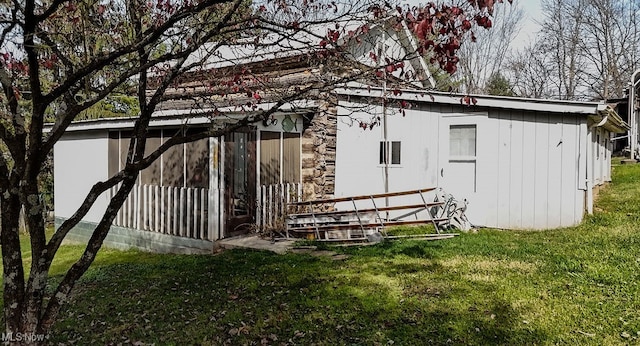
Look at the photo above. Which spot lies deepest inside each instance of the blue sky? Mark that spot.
(532, 12)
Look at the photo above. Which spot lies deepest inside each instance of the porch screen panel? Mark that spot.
(198, 163)
(125, 139)
(173, 163)
(151, 174)
(269, 158)
(114, 152)
(291, 158)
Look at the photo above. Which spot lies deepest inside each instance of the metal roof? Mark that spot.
(597, 110)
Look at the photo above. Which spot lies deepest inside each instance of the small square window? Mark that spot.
(390, 156)
(395, 153)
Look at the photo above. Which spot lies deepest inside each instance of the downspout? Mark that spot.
(387, 146)
(589, 180)
(633, 123)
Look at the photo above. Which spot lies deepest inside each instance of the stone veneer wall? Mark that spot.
(319, 152)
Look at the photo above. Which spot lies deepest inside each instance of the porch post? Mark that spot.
(259, 205)
(214, 215)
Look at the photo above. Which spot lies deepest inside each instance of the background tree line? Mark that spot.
(585, 50)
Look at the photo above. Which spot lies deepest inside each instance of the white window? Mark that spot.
(462, 141)
(390, 152)
(462, 156)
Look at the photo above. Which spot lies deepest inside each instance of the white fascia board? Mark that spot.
(540, 105)
(418, 60)
(172, 118)
(293, 106)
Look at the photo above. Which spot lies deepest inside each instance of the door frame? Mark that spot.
(481, 122)
(230, 225)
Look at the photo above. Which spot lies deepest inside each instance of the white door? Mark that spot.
(459, 167)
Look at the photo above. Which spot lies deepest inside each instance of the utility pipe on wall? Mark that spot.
(386, 147)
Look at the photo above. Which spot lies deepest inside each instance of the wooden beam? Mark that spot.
(417, 237)
(364, 211)
(311, 229)
(356, 198)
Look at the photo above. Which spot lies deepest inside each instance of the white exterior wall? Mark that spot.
(534, 177)
(530, 167)
(601, 155)
(358, 168)
(80, 162)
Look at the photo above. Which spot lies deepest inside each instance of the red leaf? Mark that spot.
(466, 24)
(488, 24)
(373, 57)
(450, 67)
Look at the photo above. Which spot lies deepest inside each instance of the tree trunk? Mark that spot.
(27, 334)
(13, 273)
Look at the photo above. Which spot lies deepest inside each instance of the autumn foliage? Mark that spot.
(442, 28)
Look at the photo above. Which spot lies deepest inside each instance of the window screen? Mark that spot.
(462, 140)
(269, 157)
(395, 153)
(291, 158)
(151, 174)
(114, 152)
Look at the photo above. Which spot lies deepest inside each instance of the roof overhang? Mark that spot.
(189, 117)
(608, 119)
(596, 111)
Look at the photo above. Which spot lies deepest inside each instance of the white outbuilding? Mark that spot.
(520, 163)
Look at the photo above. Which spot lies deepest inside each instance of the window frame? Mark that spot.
(453, 158)
(387, 154)
(464, 158)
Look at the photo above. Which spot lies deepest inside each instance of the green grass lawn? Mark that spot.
(575, 286)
